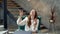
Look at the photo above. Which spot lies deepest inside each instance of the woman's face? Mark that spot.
(32, 13)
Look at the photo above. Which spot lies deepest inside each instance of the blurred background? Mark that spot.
(9, 13)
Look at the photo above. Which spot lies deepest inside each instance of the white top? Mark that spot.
(24, 22)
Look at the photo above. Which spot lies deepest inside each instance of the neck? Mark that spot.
(32, 17)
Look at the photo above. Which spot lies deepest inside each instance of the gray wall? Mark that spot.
(43, 8)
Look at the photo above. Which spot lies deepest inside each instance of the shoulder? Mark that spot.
(26, 18)
(37, 20)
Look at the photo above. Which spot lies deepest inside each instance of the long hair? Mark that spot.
(29, 18)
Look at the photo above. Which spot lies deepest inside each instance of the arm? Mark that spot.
(21, 22)
(36, 26)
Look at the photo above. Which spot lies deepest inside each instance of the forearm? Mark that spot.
(19, 20)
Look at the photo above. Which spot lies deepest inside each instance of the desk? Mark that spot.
(22, 32)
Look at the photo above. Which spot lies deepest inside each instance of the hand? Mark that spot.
(35, 23)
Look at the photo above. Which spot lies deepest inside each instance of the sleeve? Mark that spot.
(21, 22)
(36, 28)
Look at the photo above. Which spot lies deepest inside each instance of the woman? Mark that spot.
(31, 22)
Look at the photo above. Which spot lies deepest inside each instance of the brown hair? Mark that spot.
(29, 18)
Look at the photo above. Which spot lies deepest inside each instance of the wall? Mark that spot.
(43, 8)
